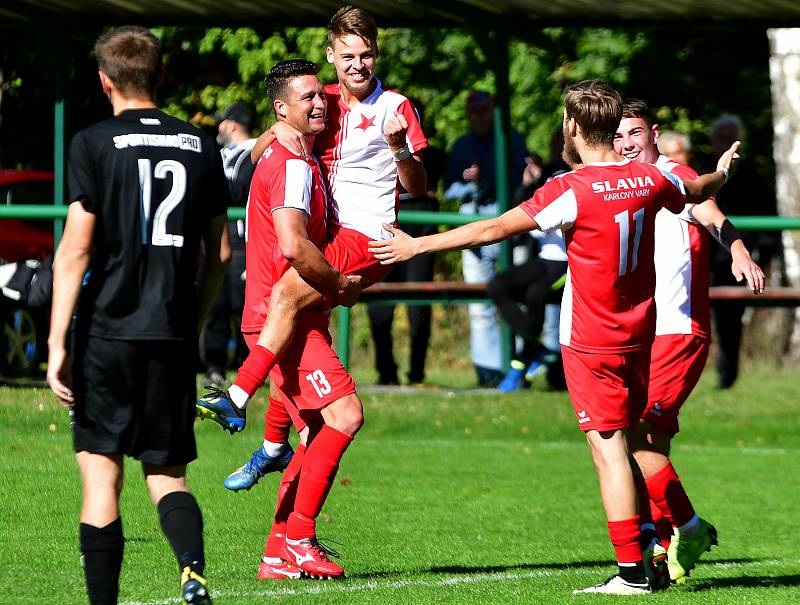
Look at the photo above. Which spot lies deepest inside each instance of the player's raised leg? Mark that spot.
(274, 454)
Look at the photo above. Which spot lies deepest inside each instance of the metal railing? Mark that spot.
(448, 219)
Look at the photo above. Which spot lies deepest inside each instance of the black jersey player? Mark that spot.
(145, 189)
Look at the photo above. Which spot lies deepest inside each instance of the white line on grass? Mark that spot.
(311, 587)
(569, 445)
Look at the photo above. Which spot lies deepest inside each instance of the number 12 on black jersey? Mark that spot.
(167, 205)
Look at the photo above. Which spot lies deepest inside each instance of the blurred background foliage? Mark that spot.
(688, 75)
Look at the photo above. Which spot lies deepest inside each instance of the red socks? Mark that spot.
(320, 464)
(277, 422)
(255, 369)
(625, 538)
(663, 526)
(287, 492)
(668, 494)
(644, 499)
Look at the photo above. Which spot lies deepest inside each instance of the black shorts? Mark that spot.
(135, 398)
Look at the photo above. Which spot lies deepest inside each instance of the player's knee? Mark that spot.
(347, 416)
(284, 299)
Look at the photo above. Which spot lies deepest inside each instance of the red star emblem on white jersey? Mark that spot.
(366, 122)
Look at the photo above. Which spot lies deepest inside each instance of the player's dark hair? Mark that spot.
(131, 57)
(282, 73)
(636, 108)
(597, 109)
(352, 21)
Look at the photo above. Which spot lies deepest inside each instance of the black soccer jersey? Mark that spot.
(153, 182)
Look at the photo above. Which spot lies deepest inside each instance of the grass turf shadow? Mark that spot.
(487, 569)
(704, 584)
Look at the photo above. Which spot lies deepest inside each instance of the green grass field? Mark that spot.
(446, 496)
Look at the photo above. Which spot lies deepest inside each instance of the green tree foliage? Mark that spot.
(435, 67)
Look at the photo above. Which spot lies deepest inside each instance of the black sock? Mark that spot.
(102, 549)
(182, 524)
(633, 572)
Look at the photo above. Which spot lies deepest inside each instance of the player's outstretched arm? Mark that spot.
(712, 218)
(70, 265)
(480, 233)
(706, 185)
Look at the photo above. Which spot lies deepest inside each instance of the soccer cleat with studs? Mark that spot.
(217, 405)
(655, 566)
(617, 586)
(260, 464)
(311, 556)
(194, 589)
(684, 551)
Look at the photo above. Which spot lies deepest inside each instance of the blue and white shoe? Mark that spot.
(259, 465)
(514, 380)
(216, 405)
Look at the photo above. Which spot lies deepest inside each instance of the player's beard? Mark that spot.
(570, 153)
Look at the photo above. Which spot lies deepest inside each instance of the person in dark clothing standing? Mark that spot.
(470, 179)
(146, 189)
(419, 269)
(225, 317)
(747, 194)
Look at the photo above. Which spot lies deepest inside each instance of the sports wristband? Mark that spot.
(402, 154)
(728, 234)
(725, 173)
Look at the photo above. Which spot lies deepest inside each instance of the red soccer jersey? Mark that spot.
(357, 160)
(682, 267)
(281, 180)
(607, 212)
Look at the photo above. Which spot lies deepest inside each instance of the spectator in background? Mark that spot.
(529, 284)
(676, 146)
(470, 179)
(748, 193)
(417, 269)
(225, 317)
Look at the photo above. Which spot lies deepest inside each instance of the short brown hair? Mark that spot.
(282, 73)
(597, 108)
(636, 108)
(131, 57)
(350, 20)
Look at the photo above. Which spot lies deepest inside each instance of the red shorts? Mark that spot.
(348, 253)
(607, 390)
(309, 375)
(676, 363)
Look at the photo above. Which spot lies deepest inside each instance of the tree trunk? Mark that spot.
(784, 67)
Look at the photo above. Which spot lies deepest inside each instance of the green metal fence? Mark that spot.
(448, 219)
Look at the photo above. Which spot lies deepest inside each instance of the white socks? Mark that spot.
(273, 449)
(239, 396)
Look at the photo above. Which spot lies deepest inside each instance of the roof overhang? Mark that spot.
(512, 15)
